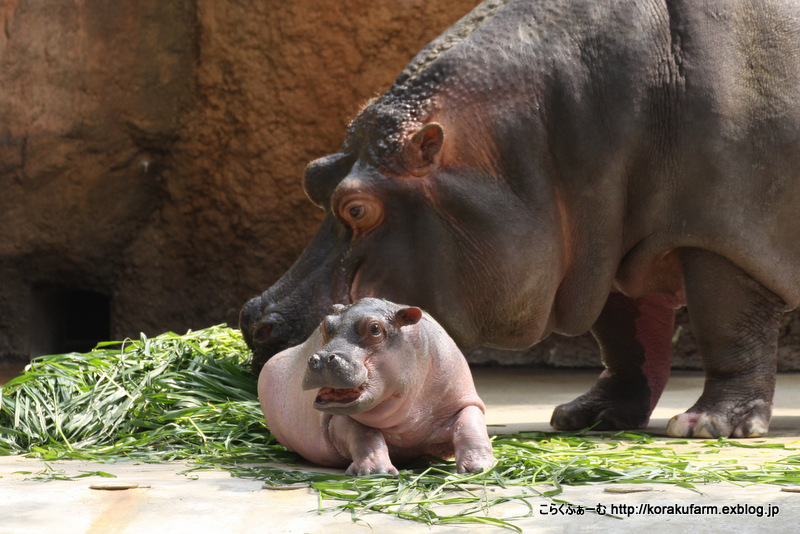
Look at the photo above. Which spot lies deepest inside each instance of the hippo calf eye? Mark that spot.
(375, 330)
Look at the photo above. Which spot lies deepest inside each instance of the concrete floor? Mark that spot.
(517, 399)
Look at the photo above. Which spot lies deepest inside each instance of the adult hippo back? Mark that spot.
(570, 165)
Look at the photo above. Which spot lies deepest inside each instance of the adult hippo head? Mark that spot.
(418, 215)
(442, 195)
(570, 165)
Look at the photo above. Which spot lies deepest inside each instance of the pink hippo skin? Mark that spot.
(376, 384)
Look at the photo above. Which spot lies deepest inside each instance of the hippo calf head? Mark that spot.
(362, 361)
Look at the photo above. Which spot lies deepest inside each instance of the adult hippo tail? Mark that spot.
(570, 165)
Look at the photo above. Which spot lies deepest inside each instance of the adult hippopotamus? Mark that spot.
(576, 165)
(376, 384)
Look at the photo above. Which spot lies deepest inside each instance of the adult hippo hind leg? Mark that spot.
(635, 338)
(735, 320)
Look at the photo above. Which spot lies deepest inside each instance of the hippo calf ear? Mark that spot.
(408, 316)
(422, 149)
(324, 174)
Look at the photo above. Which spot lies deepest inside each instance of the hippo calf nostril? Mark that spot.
(315, 362)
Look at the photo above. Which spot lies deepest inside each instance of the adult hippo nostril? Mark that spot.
(249, 316)
(262, 333)
(269, 326)
(264, 330)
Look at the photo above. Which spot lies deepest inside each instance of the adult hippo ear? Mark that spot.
(324, 174)
(408, 316)
(423, 150)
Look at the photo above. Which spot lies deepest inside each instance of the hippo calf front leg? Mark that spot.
(473, 448)
(365, 446)
(736, 322)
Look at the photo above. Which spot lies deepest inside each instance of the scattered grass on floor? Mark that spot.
(191, 397)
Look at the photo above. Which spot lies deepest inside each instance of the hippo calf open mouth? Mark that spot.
(341, 398)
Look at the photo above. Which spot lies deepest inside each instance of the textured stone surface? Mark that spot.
(151, 154)
(92, 94)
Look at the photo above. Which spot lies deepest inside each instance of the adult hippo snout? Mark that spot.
(286, 313)
(265, 330)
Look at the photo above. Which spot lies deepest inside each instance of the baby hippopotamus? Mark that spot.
(377, 384)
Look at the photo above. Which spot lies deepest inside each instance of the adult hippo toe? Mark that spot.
(570, 165)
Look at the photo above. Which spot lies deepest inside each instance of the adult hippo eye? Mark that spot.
(356, 212)
(363, 213)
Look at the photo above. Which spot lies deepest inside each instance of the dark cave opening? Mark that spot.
(67, 320)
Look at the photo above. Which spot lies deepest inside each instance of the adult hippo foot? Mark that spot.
(736, 322)
(635, 338)
(716, 425)
(717, 414)
(611, 404)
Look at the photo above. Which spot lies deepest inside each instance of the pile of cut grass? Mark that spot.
(191, 397)
(172, 397)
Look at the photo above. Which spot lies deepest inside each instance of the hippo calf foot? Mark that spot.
(473, 448)
(475, 460)
(728, 420)
(611, 404)
(371, 466)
